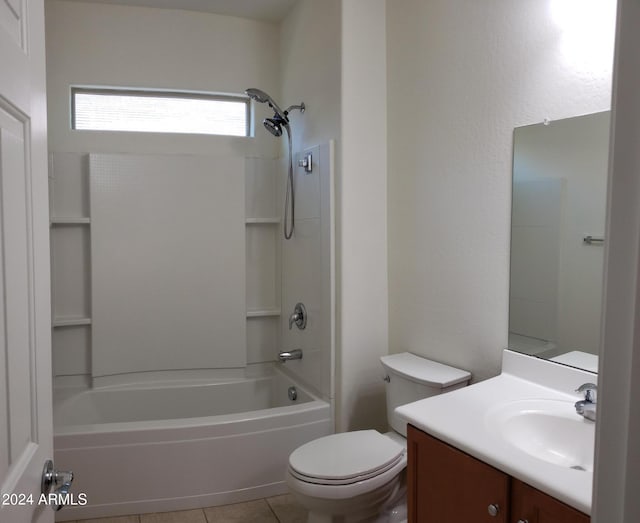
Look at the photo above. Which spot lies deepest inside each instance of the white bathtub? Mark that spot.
(153, 449)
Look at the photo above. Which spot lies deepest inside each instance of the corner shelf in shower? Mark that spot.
(70, 221)
(261, 313)
(262, 221)
(70, 322)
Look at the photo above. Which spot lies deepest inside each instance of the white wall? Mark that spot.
(114, 45)
(310, 71)
(362, 215)
(332, 58)
(461, 76)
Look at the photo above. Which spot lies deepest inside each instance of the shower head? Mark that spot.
(274, 125)
(257, 95)
(262, 97)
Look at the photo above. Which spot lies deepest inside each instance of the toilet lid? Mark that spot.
(346, 456)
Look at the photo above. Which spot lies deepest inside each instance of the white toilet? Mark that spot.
(360, 476)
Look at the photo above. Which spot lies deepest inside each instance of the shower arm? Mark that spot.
(300, 107)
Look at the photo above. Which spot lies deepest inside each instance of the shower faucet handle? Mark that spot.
(299, 317)
(307, 163)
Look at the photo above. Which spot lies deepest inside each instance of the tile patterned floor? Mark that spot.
(278, 509)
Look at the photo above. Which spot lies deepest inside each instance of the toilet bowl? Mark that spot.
(352, 476)
(359, 476)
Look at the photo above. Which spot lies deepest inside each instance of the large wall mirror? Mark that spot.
(557, 239)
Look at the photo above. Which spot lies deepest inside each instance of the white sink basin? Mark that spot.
(549, 430)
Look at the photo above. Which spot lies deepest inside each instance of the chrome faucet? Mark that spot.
(295, 354)
(587, 407)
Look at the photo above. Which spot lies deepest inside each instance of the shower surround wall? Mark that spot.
(257, 259)
(98, 44)
(167, 271)
(308, 274)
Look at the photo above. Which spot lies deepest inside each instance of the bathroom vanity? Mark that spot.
(510, 449)
(446, 485)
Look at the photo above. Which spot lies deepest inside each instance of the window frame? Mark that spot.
(155, 93)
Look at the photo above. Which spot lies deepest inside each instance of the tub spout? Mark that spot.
(295, 354)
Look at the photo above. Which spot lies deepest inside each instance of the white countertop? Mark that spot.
(577, 358)
(462, 419)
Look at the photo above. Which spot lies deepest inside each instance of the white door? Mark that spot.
(26, 439)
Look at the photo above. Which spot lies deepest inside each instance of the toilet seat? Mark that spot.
(347, 481)
(387, 480)
(346, 458)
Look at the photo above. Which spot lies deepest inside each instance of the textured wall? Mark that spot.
(333, 58)
(461, 76)
(124, 46)
(310, 70)
(362, 215)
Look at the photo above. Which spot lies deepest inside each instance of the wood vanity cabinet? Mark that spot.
(445, 485)
(532, 506)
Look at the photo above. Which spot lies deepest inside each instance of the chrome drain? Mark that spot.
(292, 393)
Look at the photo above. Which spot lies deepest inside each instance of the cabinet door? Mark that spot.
(532, 506)
(449, 486)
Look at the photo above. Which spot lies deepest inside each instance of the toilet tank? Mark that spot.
(411, 378)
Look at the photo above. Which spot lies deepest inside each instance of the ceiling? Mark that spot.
(267, 10)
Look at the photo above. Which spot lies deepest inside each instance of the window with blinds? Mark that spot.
(100, 109)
